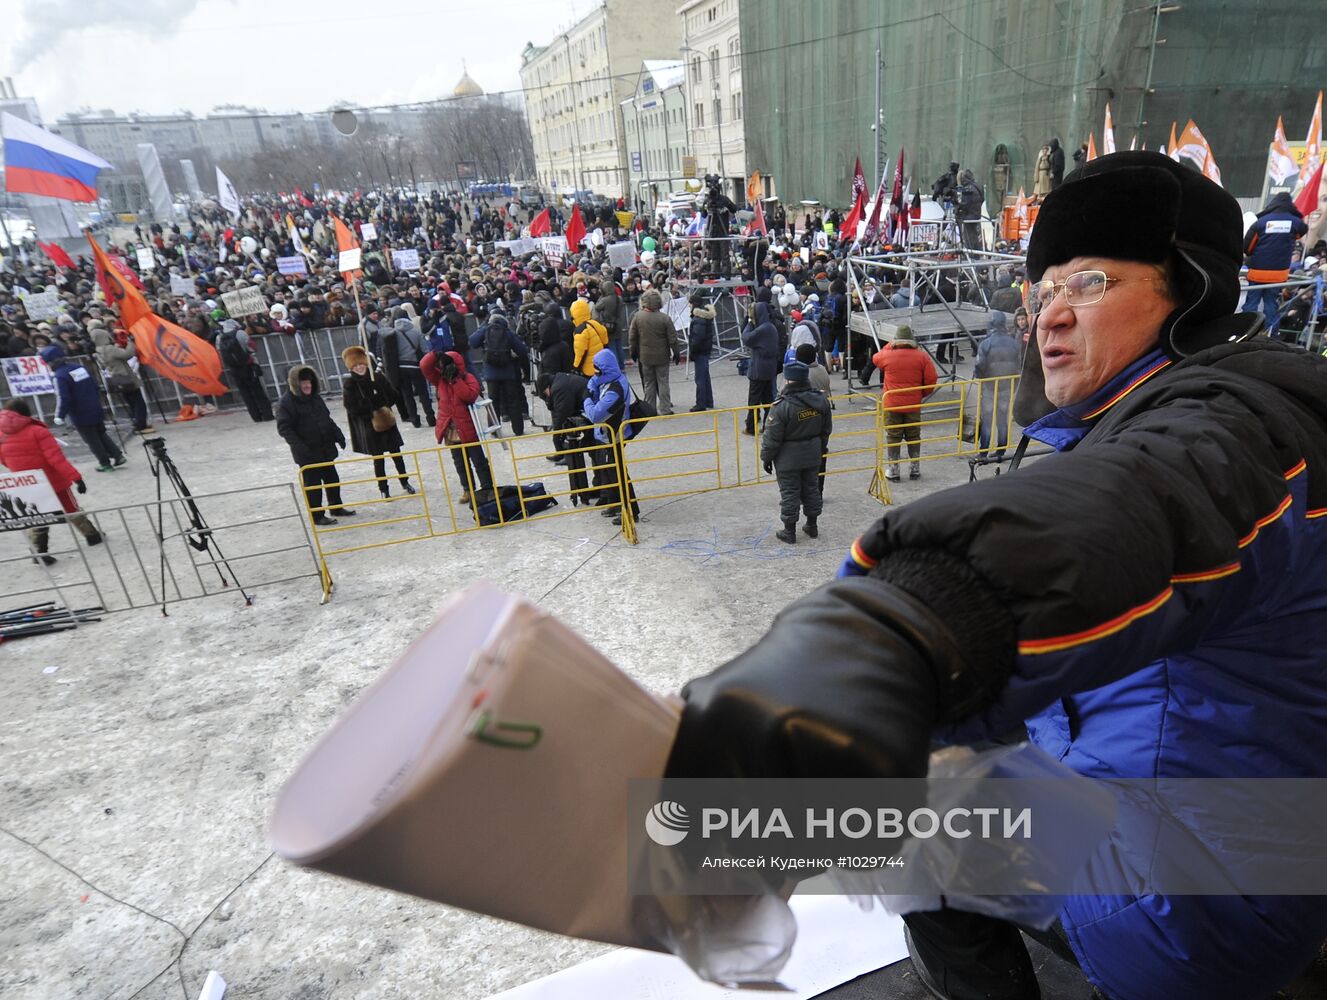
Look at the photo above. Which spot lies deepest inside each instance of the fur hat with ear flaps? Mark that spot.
(354, 355)
(1143, 206)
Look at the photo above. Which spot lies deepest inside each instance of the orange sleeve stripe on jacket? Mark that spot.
(1033, 647)
(860, 557)
(1263, 522)
(1164, 363)
(1296, 469)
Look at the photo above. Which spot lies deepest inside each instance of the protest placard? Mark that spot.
(27, 376)
(42, 305)
(368, 232)
(291, 265)
(622, 255)
(146, 262)
(180, 285)
(405, 260)
(348, 260)
(244, 302)
(27, 500)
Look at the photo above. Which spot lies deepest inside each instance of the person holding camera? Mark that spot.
(28, 444)
(457, 389)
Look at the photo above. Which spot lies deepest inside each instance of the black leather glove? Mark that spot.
(81, 486)
(769, 468)
(847, 683)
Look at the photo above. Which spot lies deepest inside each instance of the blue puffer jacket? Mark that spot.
(516, 348)
(1270, 242)
(79, 401)
(1167, 574)
(609, 396)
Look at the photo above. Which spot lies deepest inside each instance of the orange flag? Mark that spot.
(753, 188)
(1312, 144)
(1091, 148)
(169, 350)
(1194, 146)
(1174, 149)
(1108, 134)
(345, 240)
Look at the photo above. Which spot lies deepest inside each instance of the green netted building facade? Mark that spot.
(987, 81)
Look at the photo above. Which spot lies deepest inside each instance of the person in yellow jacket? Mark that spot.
(590, 337)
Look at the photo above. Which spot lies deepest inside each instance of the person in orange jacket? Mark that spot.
(909, 376)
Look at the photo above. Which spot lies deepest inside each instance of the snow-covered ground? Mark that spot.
(142, 754)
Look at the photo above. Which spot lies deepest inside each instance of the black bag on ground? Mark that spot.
(486, 503)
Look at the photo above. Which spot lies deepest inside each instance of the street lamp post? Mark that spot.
(718, 120)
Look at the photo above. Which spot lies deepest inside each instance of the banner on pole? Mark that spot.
(28, 376)
(244, 302)
(27, 501)
(405, 260)
(291, 265)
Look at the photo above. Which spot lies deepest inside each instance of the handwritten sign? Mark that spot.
(368, 232)
(291, 265)
(244, 302)
(42, 305)
(405, 260)
(146, 262)
(182, 286)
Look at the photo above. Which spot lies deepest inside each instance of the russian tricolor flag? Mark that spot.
(38, 162)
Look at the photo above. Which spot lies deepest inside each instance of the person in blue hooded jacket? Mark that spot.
(80, 403)
(608, 401)
(1269, 246)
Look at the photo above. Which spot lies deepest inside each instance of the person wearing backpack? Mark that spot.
(501, 348)
(589, 338)
(246, 375)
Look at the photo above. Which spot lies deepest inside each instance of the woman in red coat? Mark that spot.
(457, 389)
(26, 443)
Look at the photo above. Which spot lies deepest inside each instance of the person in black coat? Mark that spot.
(555, 356)
(502, 350)
(1057, 163)
(565, 393)
(303, 420)
(761, 338)
(361, 395)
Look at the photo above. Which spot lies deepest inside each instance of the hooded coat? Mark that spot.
(305, 422)
(554, 352)
(700, 336)
(113, 358)
(762, 338)
(79, 400)
(1270, 242)
(590, 338)
(516, 348)
(27, 443)
(454, 397)
(608, 397)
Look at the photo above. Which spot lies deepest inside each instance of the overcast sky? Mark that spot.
(160, 56)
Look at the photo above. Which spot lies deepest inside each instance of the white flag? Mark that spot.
(230, 201)
(1108, 134)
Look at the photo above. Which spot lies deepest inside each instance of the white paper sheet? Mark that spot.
(836, 943)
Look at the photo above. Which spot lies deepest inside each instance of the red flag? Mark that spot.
(541, 225)
(57, 256)
(896, 212)
(849, 229)
(575, 229)
(171, 351)
(758, 223)
(1308, 196)
(858, 182)
(873, 223)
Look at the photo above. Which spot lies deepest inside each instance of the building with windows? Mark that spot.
(987, 83)
(712, 52)
(654, 128)
(574, 86)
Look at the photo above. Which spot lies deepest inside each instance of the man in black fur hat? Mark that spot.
(1149, 602)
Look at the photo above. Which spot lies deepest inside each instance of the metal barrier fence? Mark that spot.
(963, 419)
(154, 553)
(432, 510)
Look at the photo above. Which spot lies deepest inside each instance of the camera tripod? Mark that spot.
(200, 537)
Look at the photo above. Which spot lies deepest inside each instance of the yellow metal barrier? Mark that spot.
(952, 420)
(436, 500)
